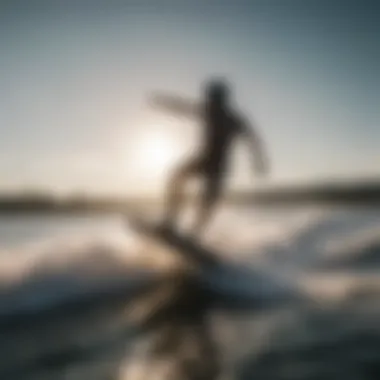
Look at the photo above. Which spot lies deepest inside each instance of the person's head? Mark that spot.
(217, 92)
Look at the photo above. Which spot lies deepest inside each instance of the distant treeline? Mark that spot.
(48, 203)
(367, 193)
(359, 193)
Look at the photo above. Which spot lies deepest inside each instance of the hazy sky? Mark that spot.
(74, 77)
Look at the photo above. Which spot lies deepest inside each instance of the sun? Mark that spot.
(159, 152)
(155, 153)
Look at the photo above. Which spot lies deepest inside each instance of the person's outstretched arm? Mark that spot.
(174, 104)
(259, 156)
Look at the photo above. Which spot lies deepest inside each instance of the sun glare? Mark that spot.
(155, 153)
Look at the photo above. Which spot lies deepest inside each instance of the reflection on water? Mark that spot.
(22, 229)
(186, 324)
(105, 338)
(165, 332)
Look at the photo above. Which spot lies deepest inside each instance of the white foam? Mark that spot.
(282, 245)
(48, 273)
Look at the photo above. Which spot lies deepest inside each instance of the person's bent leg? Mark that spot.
(208, 203)
(176, 190)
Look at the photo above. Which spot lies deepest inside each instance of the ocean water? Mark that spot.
(296, 296)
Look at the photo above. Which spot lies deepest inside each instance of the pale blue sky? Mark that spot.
(74, 76)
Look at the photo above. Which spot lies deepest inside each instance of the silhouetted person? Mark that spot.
(222, 125)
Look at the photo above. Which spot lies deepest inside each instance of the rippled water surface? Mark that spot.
(296, 297)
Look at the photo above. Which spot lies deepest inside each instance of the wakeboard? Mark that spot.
(186, 246)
